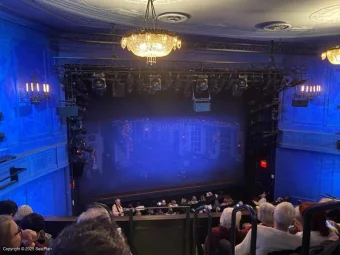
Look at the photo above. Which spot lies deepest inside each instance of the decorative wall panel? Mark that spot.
(308, 139)
(34, 133)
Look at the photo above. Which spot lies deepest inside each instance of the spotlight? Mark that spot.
(168, 82)
(155, 83)
(99, 84)
(202, 83)
(129, 83)
(240, 86)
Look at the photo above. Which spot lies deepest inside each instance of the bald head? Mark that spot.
(284, 215)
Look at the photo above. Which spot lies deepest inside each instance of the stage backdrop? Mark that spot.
(151, 143)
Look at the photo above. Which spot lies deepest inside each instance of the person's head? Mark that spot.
(225, 219)
(183, 201)
(22, 212)
(89, 238)
(265, 214)
(33, 221)
(326, 200)
(194, 199)
(318, 222)
(92, 213)
(8, 207)
(173, 202)
(263, 195)
(284, 215)
(117, 202)
(10, 233)
(163, 202)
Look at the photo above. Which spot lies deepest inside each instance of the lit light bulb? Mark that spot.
(26, 87)
(32, 87)
(38, 89)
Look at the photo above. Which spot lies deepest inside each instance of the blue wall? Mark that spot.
(34, 134)
(308, 163)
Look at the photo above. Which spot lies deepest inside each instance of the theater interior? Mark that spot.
(177, 100)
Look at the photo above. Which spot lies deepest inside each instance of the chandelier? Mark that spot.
(151, 43)
(333, 55)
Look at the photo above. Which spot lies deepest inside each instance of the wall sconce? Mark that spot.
(308, 92)
(35, 94)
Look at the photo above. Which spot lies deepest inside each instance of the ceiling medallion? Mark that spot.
(173, 17)
(275, 26)
(329, 14)
(153, 42)
(333, 55)
(158, 1)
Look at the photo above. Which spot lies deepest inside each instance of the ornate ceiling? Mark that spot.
(242, 19)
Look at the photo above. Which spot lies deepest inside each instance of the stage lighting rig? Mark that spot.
(202, 83)
(155, 83)
(99, 84)
(168, 82)
(240, 86)
(129, 83)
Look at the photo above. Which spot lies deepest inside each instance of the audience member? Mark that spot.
(8, 207)
(320, 232)
(117, 208)
(265, 214)
(193, 201)
(89, 237)
(94, 212)
(11, 235)
(22, 212)
(224, 229)
(273, 239)
(36, 223)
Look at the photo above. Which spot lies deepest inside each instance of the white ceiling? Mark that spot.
(226, 18)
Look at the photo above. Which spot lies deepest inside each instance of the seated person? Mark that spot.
(117, 208)
(8, 207)
(320, 232)
(273, 239)
(36, 222)
(12, 236)
(223, 230)
(264, 215)
(22, 212)
(89, 237)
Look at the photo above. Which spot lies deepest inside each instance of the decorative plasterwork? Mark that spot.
(329, 14)
(130, 13)
(77, 7)
(156, 2)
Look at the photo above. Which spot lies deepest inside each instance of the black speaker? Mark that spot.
(1, 116)
(2, 136)
(78, 169)
(67, 111)
(300, 103)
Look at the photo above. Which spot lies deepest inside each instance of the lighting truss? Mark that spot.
(80, 63)
(279, 48)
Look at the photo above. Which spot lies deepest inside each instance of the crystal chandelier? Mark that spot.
(151, 43)
(333, 55)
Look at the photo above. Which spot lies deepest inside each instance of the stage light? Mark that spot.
(263, 164)
(202, 83)
(240, 85)
(99, 84)
(155, 83)
(129, 83)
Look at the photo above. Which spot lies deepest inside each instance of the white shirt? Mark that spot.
(269, 240)
(317, 239)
